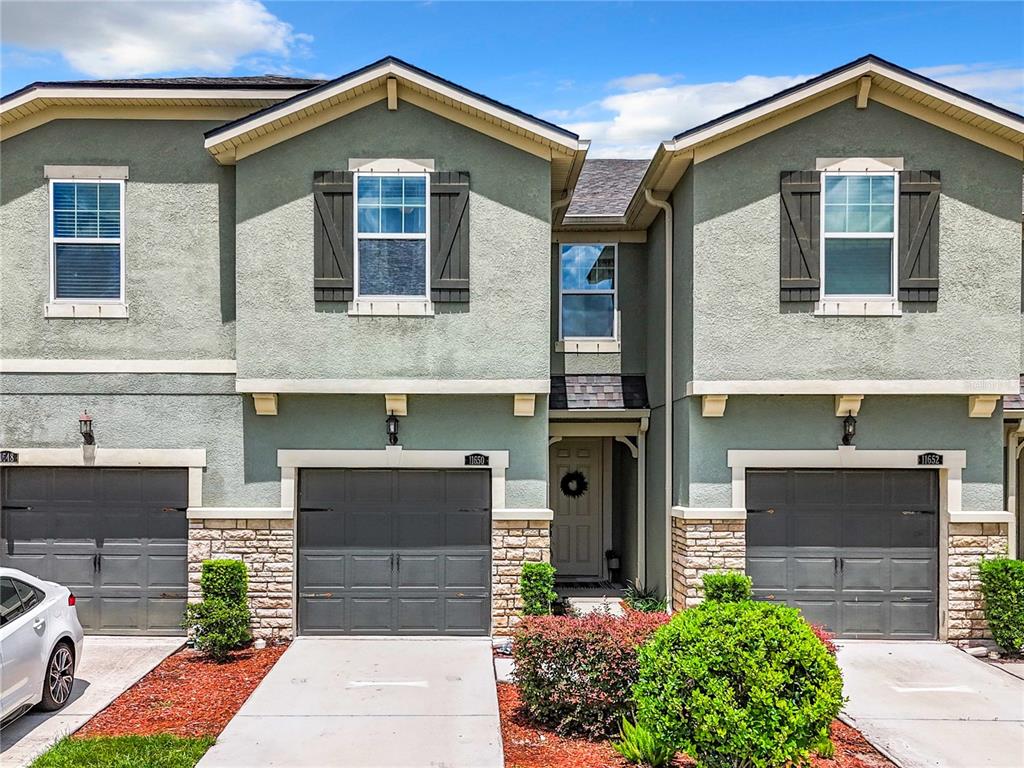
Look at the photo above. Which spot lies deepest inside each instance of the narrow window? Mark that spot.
(87, 249)
(588, 291)
(391, 236)
(859, 225)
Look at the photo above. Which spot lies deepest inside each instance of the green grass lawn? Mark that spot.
(125, 752)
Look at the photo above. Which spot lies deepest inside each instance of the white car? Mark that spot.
(40, 644)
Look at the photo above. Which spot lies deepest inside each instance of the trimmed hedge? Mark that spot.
(224, 580)
(739, 684)
(575, 674)
(727, 586)
(537, 588)
(1002, 584)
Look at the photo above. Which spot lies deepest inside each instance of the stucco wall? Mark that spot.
(740, 330)
(505, 333)
(179, 248)
(242, 447)
(810, 423)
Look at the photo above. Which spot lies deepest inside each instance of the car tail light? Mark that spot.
(71, 598)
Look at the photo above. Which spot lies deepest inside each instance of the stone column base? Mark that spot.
(702, 546)
(969, 544)
(514, 542)
(267, 548)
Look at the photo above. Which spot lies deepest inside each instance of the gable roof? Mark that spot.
(367, 85)
(605, 187)
(256, 81)
(867, 78)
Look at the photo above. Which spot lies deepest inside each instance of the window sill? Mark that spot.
(84, 309)
(589, 346)
(391, 308)
(858, 309)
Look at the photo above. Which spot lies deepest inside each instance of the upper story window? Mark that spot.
(391, 235)
(858, 235)
(87, 242)
(588, 291)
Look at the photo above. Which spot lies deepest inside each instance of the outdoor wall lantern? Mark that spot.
(849, 430)
(85, 427)
(392, 429)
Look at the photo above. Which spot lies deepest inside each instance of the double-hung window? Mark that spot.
(87, 241)
(392, 236)
(858, 236)
(588, 291)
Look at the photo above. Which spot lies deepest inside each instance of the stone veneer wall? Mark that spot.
(267, 548)
(969, 543)
(700, 546)
(514, 542)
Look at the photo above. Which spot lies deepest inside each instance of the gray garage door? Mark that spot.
(116, 537)
(855, 550)
(394, 552)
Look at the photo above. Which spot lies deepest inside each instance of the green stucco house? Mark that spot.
(386, 339)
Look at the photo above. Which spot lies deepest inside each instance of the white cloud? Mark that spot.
(130, 39)
(640, 82)
(997, 83)
(633, 123)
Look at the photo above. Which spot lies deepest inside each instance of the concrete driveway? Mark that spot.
(371, 703)
(929, 704)
(109, 666)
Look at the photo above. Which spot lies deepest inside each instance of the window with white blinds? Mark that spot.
(87, 240)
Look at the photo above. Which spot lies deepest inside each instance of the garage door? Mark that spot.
(855, 550)
(394, 552)
(116, 537)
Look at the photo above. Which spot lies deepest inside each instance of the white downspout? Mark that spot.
(669, 468)
(641, 501)
(1013, 441)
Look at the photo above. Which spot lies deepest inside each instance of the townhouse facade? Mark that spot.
(386, 339)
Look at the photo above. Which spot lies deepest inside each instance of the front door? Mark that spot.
(577, 498)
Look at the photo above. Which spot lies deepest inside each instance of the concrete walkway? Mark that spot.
(930, 705)
(369, 703)
(109, 666)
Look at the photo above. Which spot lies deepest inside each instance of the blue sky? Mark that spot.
(622, 74)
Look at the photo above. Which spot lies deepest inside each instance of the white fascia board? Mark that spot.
(118, 366)
(844, 457)
(391, 68)
(392, 386)
(858, 386)
(169, 94)
(392, 457)
(837, 80)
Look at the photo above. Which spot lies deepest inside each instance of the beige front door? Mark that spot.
(576, 489)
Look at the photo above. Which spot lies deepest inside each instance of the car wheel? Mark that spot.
(60, 678)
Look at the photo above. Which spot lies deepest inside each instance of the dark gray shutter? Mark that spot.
(449, 236)
(919, 236)
(800, 244)
(332, 235)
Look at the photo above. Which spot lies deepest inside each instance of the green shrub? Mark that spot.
(640, 746)
(738, 684)
(218, 626)
(575, 674)
(224, 580)
(645, 599)
(1002, 583)
(727, 587)
(537, 587)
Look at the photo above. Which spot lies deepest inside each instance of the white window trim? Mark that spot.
(573, 343)
(869, 304)
(390, 300)
(85, 306)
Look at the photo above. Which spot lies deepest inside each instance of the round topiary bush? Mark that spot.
(744, 684)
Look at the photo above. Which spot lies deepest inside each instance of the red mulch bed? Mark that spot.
(530, 746)
(185, 695)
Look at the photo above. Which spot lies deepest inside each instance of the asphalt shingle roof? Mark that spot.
(598, 391)
(605, 187)
(1015, 402)
(257, 81)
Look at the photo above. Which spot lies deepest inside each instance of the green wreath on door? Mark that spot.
(574, 484)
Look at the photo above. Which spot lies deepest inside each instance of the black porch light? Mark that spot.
(85, 427)
(392, 429)
(849, 429)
